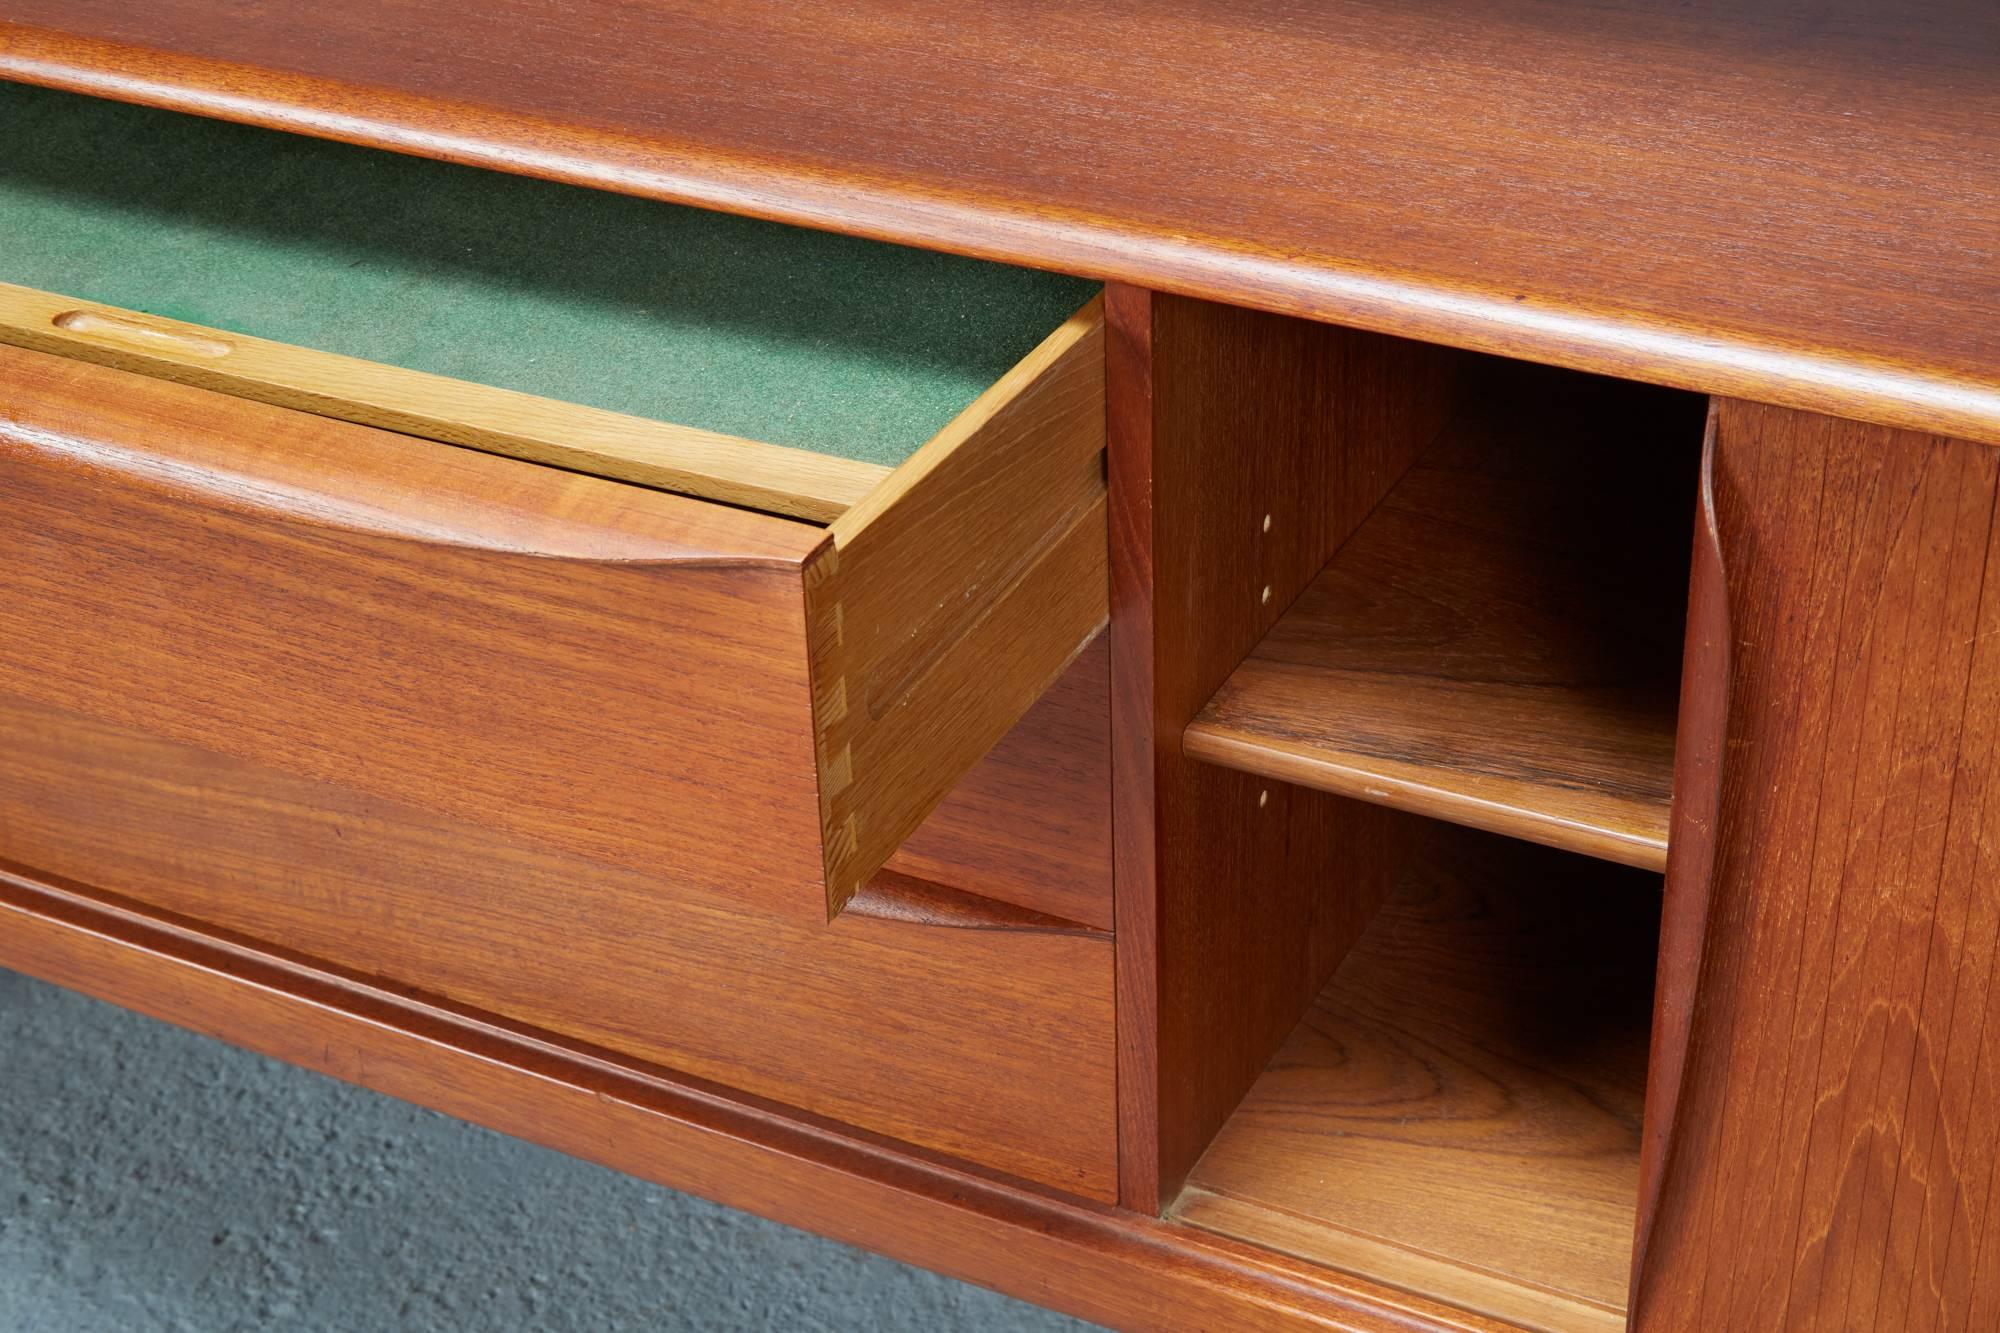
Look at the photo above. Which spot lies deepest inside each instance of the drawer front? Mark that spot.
(617, 673)
(539, 743)
(946, 596)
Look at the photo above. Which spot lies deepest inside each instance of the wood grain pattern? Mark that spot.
(1093, 1261)
(1228, 919)
(950, 599)
(522, 649)
(1497, 644)
(1832, 1158)
(987, 1038)
(1789, 200)
(1031, 823)
(1459, 1113)
(411, 586)
(700, 463)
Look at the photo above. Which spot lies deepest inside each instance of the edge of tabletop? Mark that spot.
(1906, 393)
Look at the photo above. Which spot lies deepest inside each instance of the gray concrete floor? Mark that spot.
(152, 1179)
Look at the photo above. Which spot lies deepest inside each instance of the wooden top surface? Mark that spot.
(1791, 200)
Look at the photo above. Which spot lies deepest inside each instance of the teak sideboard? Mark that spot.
(1221, 665)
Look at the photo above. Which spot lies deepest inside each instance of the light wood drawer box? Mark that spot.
(592, 756)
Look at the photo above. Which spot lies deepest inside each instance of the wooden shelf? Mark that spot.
(1499, 644)
(1458, 1115)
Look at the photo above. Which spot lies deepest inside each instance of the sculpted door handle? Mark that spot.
(1698, 762)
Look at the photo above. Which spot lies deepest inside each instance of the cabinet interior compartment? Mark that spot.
(1458, 1113)
(1495, 653)
(1499, 643)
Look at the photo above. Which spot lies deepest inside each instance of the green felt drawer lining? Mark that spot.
(842, 346)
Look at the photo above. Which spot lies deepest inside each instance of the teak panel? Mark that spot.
(994, 1044)
(694, 462)
(1497, 645)
(1031, 823)
(1459, 1113)
(1234, 898)
(1832, 1156)
(537, 652)
(1787, 200)
(1093, 1261)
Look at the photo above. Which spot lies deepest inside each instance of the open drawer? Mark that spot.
(740, 699)
(282, 658)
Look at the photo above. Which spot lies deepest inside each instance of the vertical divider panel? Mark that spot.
(1243, 449)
